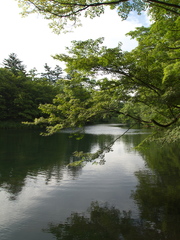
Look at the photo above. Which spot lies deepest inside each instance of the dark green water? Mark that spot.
(134, 195)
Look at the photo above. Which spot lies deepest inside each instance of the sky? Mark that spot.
(35, 43)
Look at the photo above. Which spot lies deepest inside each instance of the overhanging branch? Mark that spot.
(164, 3)
(83, 6)
(165, 125)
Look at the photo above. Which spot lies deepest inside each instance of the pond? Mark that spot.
(133, 195)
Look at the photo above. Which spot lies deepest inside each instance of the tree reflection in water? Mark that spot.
(24, 154)
(158, 191)
(104, 222)
(156, 195)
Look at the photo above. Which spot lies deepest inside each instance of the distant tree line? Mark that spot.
(21, 92)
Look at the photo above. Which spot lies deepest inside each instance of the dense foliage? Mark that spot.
(63, 13)
(22, 92)
(142, 85)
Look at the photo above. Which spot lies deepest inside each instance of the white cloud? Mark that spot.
(34, 43)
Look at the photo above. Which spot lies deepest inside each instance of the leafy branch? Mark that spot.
(100, 154)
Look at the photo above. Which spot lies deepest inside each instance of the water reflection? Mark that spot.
(33, 171)
(104, 222)
(27, 154)
(158, 191)
(157, 196)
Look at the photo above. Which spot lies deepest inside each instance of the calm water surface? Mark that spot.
(134, 195)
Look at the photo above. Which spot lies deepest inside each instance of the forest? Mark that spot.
(100, 83)
(21, 92)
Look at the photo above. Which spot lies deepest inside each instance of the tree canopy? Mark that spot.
(142, 85)
(52, 75)
(63, 12)
(14, 64)
(22, 92)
